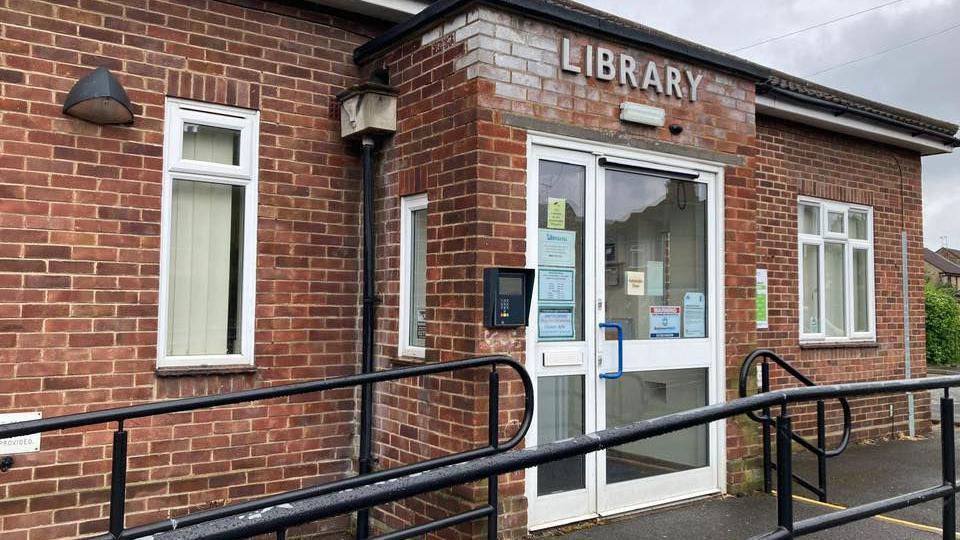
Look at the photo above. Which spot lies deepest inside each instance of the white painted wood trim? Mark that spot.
(390, 10)
(847, 124)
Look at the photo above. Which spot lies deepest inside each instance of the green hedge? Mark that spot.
(943, 325)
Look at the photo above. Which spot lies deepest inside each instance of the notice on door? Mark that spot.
(556, 213)
(556, 324)
(556, 285)
(636, 285)
(558, 248)
(694, 315)
(654, 278)
(664, 322)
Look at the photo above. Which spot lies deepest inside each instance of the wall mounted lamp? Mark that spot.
(99, 97)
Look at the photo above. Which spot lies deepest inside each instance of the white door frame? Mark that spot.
(553, 510)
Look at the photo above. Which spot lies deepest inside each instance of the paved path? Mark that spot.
(862, 474)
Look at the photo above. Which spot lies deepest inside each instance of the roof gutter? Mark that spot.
(837, 109)
(559, 14)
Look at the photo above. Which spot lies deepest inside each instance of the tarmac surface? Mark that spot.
(864, 473)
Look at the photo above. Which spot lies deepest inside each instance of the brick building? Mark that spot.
(214, 244)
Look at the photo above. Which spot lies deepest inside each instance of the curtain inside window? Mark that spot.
(834, 297)
(205, 256)
(211, 144)
(861, 301)
(811, 289)
(418, 277)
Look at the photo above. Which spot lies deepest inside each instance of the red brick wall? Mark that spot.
(455, 143)
(795, 160)
(443, 146)
(79, 259)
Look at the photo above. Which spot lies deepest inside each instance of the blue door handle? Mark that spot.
(619, 372)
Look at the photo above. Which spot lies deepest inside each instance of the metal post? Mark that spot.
(784, 474)
(493, 430)
(118, 481)
(907, 362)
(821, 452)
(767, 451)
(948, 461)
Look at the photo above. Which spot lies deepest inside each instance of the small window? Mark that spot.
(809, 219)
(836, 272)
(413, 276)
(208, 239)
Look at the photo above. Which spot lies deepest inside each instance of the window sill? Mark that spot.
(815, 345)
(408, 361)
(200, 371)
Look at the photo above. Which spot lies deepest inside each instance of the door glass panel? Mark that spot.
(560, 415)
(643, 395)
(655, 256)
(561, 251)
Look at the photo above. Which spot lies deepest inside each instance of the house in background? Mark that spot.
(942, 266)
(950, 254)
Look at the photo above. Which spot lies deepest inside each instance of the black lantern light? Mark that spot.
(99, 98)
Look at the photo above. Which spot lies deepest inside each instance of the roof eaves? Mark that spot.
(912, 126)
(767, 80)
(563, 14)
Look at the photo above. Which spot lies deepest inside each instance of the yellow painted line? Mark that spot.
(881, 517)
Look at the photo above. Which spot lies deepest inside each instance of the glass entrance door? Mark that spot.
(628, 245)
(656, 263)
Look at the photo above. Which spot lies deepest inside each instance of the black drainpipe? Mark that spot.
(369, 312)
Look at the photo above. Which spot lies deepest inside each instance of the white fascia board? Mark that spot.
(388, 10)
(848, 124)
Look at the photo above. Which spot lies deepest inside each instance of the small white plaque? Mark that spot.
(562, 358)
(24, 444)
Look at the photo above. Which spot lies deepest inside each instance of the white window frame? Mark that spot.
(178, 112)
(408, 205)
(850, 244)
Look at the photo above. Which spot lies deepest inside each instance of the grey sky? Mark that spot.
(923, 77)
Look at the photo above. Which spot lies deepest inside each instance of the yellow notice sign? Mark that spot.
(556, 213)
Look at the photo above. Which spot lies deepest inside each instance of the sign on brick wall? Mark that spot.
(24, 444)
(604, 64)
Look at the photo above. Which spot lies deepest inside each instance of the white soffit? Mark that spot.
(848, 124)
(388, 10)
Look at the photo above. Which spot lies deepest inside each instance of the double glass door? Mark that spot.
(626, 260)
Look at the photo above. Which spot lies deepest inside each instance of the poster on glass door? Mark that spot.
(664, 322)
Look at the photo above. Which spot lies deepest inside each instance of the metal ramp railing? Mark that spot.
(819, 449)
(372, 494)
(261, 506)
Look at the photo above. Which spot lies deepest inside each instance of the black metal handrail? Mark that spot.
(316, 508)
(767, 422)
(117, 531)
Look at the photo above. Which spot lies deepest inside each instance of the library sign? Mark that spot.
(603, 64)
